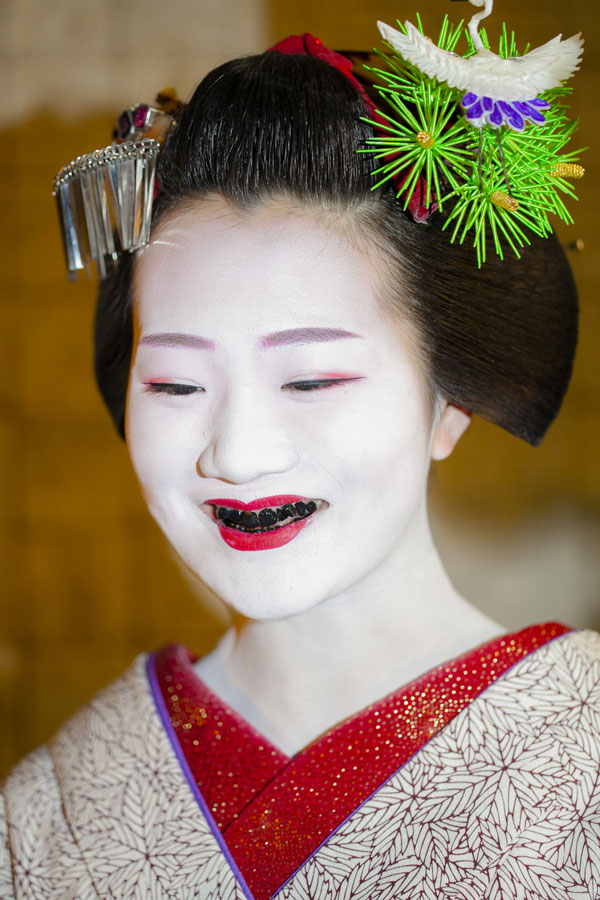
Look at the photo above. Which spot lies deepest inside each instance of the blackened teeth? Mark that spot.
(267, 519)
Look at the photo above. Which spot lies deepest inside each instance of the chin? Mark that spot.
(272, 612)
(261, 596)
(265, 606)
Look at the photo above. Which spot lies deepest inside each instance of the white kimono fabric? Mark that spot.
(503, 803)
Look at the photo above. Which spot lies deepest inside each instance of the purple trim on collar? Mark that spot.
(163, 715)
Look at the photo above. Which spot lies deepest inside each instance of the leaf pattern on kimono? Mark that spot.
(105, 811)
(45, 861)
(6, 881)
(502, 804)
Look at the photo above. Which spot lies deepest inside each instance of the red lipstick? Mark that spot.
(279, 500)
(266, 540)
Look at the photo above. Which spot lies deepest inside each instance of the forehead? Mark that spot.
(272, 268)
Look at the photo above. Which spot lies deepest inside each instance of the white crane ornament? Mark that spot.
(499, 91)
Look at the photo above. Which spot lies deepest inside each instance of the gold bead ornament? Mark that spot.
(567, 170)
(425, 140)
(504, 201)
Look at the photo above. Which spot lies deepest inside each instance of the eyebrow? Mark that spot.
(305, 336)
(177, 339)
(174, 339)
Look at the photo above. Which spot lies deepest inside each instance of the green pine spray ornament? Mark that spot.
(487, 131)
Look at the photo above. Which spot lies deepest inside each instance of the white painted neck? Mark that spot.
(294, 678)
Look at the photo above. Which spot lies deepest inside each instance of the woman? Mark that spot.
(285, 358)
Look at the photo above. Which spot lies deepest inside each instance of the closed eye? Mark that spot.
(174, 390)
(317, 384)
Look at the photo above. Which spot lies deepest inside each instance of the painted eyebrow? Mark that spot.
(305, 336)
(177, 339)
(276, 339)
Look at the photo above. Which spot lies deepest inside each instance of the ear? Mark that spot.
(452, 423)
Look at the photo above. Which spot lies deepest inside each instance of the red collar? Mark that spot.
(270, 806)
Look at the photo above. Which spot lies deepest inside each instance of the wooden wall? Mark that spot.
(86, 579)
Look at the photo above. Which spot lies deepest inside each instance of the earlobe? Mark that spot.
(452, 423)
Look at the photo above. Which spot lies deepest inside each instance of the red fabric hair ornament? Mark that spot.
(312, 46)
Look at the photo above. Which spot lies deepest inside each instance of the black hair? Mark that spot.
(498, 341)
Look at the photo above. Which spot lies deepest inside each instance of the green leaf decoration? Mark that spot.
(488, 182)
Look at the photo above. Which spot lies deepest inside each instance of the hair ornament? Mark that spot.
(104, 198)
(486, 130)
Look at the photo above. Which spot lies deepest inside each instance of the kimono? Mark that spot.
(480, 779)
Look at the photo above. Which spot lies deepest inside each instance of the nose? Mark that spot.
(247, 440)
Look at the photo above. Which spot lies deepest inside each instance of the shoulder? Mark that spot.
(504, 801)
(37, 836)
(37, 843)
(574, 667)
(106, 808)
(106, 717)
(547, 705)
(533, 741)
(575, 645)
(558, 682)
(122, 709)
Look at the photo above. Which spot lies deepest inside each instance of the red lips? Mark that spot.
(261, 503)
(266, 540)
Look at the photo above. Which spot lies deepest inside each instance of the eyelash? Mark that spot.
(317, 384)
(175, 390)
(184, 390)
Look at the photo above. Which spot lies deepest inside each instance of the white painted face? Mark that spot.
(265, 369)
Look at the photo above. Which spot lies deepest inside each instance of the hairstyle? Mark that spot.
(498, 341)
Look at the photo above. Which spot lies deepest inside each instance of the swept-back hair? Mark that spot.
(498, 341)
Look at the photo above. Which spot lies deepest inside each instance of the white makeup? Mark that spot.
(362, 445)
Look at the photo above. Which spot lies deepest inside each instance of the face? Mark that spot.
(277, 419)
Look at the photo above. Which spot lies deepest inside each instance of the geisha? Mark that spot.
(285, 356)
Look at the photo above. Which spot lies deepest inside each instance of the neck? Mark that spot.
(296, 677)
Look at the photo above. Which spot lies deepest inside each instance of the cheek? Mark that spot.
(143, 440)
(160, 449)
(396, 423)
(380, 452)
(401, 447)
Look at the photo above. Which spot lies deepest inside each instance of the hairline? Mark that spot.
(353, 223)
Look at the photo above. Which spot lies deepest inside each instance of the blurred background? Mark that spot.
(87, 581)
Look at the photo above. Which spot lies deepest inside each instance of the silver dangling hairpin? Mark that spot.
(104, 203)
(105, 198)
